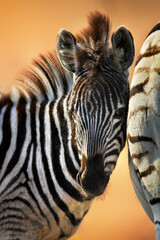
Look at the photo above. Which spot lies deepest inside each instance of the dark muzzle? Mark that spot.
(93, 179)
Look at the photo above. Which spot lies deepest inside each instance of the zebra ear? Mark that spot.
(123, 47)
(66, 50)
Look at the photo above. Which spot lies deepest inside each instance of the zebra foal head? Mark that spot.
(98, 101)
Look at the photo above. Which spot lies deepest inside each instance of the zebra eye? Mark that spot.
(120, 112)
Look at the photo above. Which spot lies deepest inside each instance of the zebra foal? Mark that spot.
(61, 131)
(143, 127)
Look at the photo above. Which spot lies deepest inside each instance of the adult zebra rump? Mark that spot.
(61, 131)
(144, 125)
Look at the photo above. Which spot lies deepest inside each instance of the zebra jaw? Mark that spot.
(92, 178)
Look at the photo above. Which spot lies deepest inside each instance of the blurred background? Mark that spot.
(30, 27)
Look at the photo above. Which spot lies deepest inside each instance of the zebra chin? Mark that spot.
(94, 188)
(92, 179)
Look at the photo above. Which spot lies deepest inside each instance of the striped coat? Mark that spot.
(144, 125)
(61, 131)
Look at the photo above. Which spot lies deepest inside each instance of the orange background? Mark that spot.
(28, 28)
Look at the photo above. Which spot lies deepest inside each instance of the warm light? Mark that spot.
(28, 28)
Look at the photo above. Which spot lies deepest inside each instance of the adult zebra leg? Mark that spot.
(156, 212)
(157, 229)
(154, 203)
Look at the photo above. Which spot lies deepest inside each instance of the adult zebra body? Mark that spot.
(61, 131)
(143, 127)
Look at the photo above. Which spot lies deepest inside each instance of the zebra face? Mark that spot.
(98, 100)
(100, 134)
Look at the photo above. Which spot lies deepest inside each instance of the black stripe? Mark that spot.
(11, 222)
(67, 186)
(144, 109)
(46, 73)
(21, 111)
(24, 169)
(111, 146)
(116, 135)
(115, 128)
(139, 155)
(110, 95)
(39, 188)
(36, 202)
(26, 186)
(58, 172)
(14, 209)
(111, 153)
(35, 78)
(6, 130)
(136, 139)
(11, 216)
(121, 140)
(63, 126)
(44, 159)
(148, 171)
(11, 183)
(52, 75)
(13, 238)
(21, 200)
(154, 201)
(13, 230)
(151, 51)
(139, 88)
(16, 176)
(157, 222)
(110, 163)
(35, 172)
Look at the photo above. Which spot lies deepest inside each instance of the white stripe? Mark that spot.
(12, 147)
(61, 193)
(48, 151)
(24, 91)
(26, 143)
(29, 167)
(33, 187)
(67, 175)
(49, 90)
(14, 95)
(39, 163)
(1, 122)
(31, 182)
(76, 165)
(18, 166)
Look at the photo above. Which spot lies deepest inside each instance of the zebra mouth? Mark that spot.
(93, 186)
(93, 183)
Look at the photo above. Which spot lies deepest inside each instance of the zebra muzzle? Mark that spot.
(91, 177)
